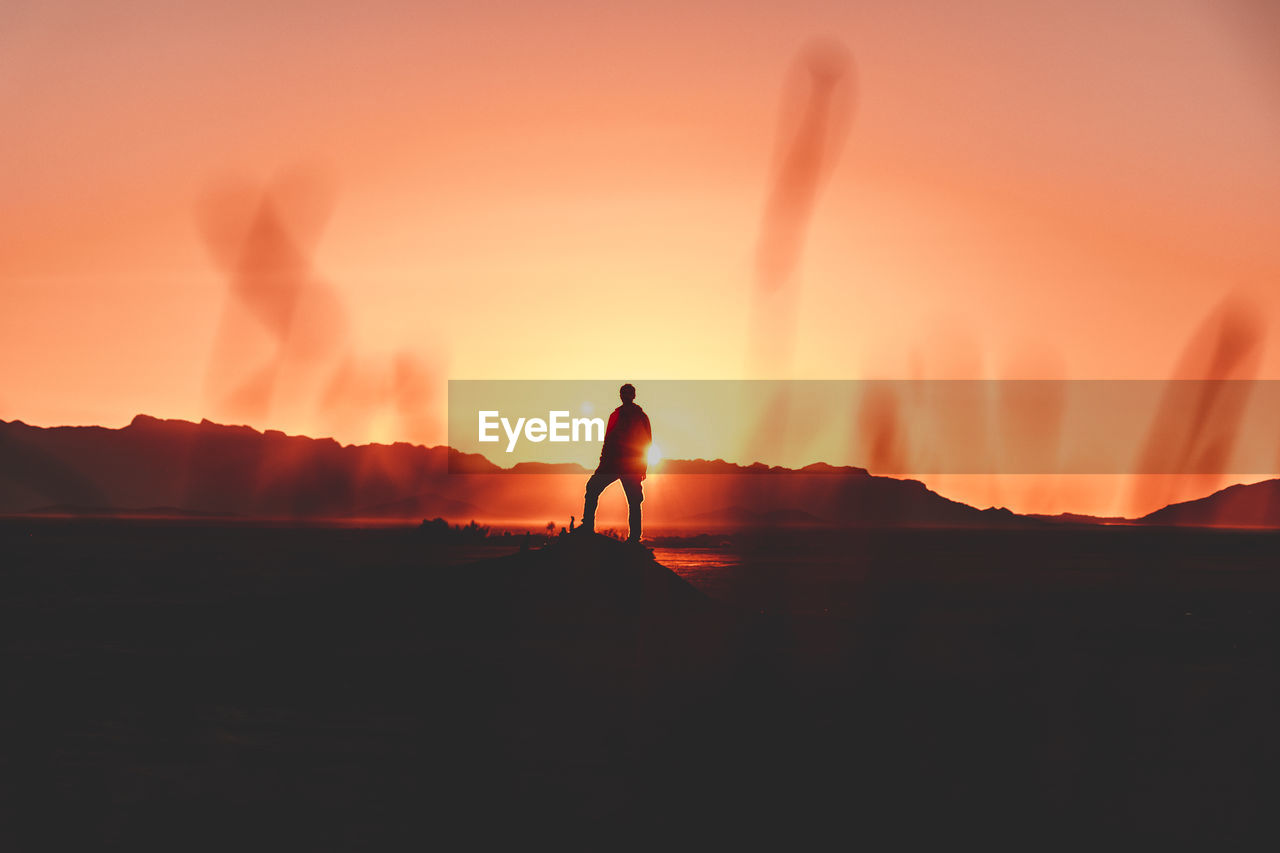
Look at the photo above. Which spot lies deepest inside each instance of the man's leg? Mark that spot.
(595, 485)
(635, 495)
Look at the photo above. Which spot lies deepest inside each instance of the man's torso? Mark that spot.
(626, 441)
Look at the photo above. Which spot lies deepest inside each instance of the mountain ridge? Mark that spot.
(1239, 505)
(224, 469)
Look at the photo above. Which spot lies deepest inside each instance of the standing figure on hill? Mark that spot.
(625, 457)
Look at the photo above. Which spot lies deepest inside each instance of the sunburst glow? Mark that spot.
(655, 455)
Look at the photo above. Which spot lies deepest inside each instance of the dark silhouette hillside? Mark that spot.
(1254, 505)
(209, 468)
(187, 468)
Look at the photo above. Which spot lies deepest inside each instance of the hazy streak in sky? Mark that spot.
(814, 119)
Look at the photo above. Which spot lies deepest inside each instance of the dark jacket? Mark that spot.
(626, 441)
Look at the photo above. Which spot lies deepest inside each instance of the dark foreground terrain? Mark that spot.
(230, 686)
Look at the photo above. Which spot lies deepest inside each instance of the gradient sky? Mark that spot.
(569, 190)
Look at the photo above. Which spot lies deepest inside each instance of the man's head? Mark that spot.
(627, 393)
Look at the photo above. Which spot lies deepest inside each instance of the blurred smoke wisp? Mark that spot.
(281, 323)
(1227, 346)
(814, 119)
(284, 347)
(815, 115)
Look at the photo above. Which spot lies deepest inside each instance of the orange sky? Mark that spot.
(571, 190)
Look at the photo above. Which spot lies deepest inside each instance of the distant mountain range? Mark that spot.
(1254, 505)
(179, 468)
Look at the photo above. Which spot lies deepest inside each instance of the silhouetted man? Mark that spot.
(624, 457)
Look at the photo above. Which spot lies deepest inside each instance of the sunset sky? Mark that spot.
(566, 190)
